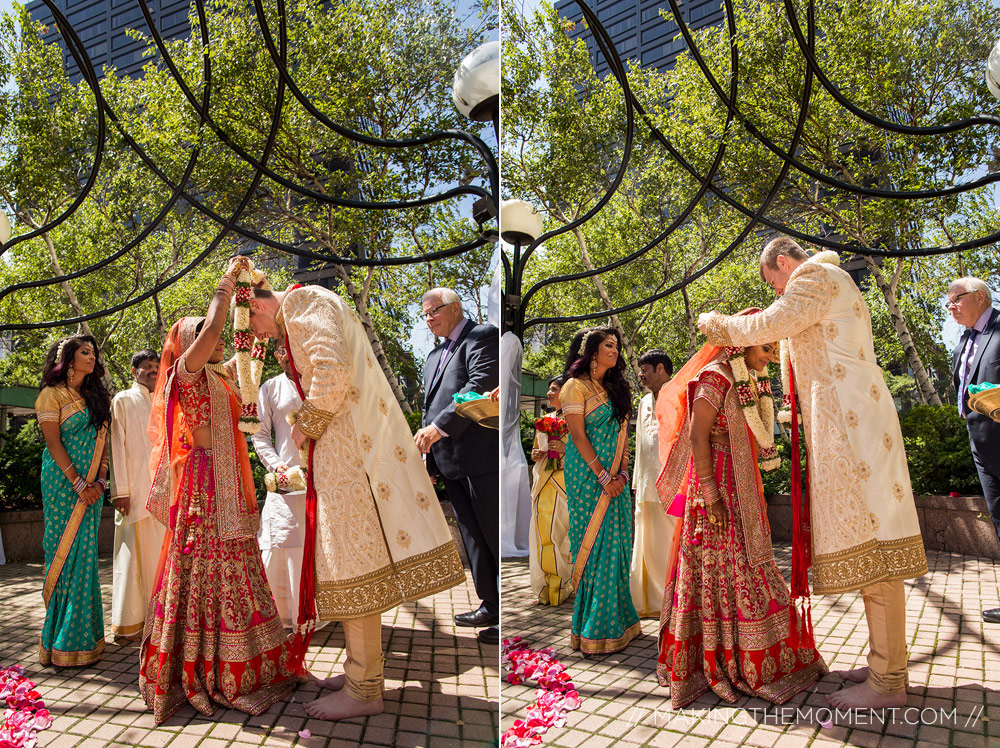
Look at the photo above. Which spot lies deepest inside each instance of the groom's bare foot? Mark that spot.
(858, 675)
(339, 705)
(333, 683)
(863, 696)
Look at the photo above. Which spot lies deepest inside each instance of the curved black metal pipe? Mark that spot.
(228, 141)
(750, 226)
(819, 176)
(602, 39)
(282, 69)
(167, 207)
(76, 49)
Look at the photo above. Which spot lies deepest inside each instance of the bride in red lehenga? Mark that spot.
(727, 621)
(213, 636)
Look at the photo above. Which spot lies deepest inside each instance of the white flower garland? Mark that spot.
(758, 408)
(250, 352)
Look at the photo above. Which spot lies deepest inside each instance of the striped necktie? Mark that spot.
(966, 363)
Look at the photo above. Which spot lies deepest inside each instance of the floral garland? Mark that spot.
(250, 352)
(25, 714)
(757, 402)
(554, 697)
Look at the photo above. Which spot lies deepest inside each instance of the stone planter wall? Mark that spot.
(956, 524)
(22, 534)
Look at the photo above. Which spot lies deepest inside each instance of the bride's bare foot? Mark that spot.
(339, 705)
(858, 675)
(333, 683)
(863, 696)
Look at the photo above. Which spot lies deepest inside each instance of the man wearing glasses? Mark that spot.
(975, 360)
(463, 453)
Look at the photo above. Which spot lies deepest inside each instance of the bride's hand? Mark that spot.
(236, 265)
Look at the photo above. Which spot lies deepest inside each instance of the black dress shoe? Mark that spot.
(992, 616)
(489, 636)
(476, 618)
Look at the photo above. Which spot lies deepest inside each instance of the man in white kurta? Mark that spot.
(381, 536)
(282, 521)
(138, 537)
(654, 528)
(865, 533)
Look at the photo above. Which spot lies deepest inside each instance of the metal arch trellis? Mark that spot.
(230, 225)
(516, 302)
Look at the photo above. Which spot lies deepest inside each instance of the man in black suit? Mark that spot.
(976, 359)
(463, 453)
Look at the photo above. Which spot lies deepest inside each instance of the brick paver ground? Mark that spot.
(441, 684)
(954, 696)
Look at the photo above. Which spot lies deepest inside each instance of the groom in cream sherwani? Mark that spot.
(381, 536)
(865, 533)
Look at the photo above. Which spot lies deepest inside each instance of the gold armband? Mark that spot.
(312, 420)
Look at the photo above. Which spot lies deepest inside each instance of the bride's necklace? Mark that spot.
(757, 403)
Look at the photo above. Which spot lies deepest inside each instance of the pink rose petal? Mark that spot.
(305, 734)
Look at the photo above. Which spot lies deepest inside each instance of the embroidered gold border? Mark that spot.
(70, 659)
(869, 563)
(377, 591)
(605, 646)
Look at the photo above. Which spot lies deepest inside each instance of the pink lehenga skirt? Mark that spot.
(726, 623)
(213, 636)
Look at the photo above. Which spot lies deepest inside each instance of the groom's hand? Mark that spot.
(703, 323)
(298, 436)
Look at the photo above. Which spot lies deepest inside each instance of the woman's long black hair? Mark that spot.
(619, 391)
(95, 394)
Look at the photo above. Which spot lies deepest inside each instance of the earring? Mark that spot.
(593, 366)
(69, 375)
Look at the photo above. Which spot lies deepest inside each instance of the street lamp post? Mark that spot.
(520, 224)
(476, 92)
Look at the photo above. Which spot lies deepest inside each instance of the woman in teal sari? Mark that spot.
(74, 410)
(597, 402)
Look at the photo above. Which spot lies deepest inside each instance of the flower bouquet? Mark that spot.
(555, 427)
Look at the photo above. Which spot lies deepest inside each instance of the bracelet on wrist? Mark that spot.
(604, 478)
(103, 483)
(79, 485)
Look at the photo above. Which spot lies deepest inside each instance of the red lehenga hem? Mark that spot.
(726, 625)
(213, 637)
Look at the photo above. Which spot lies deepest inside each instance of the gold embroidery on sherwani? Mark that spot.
(864, 471)
(366, 443)
(898, 492)
(400, 453)
(887, 441)
(312, 420)
(839, 371)
(403, 539)
(383, 491)
(869, 563)
(875, 521)
(848, 551)
(423, 501)
(382, 407)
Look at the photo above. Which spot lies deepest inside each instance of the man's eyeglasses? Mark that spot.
(954, 302)
(433, 312)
